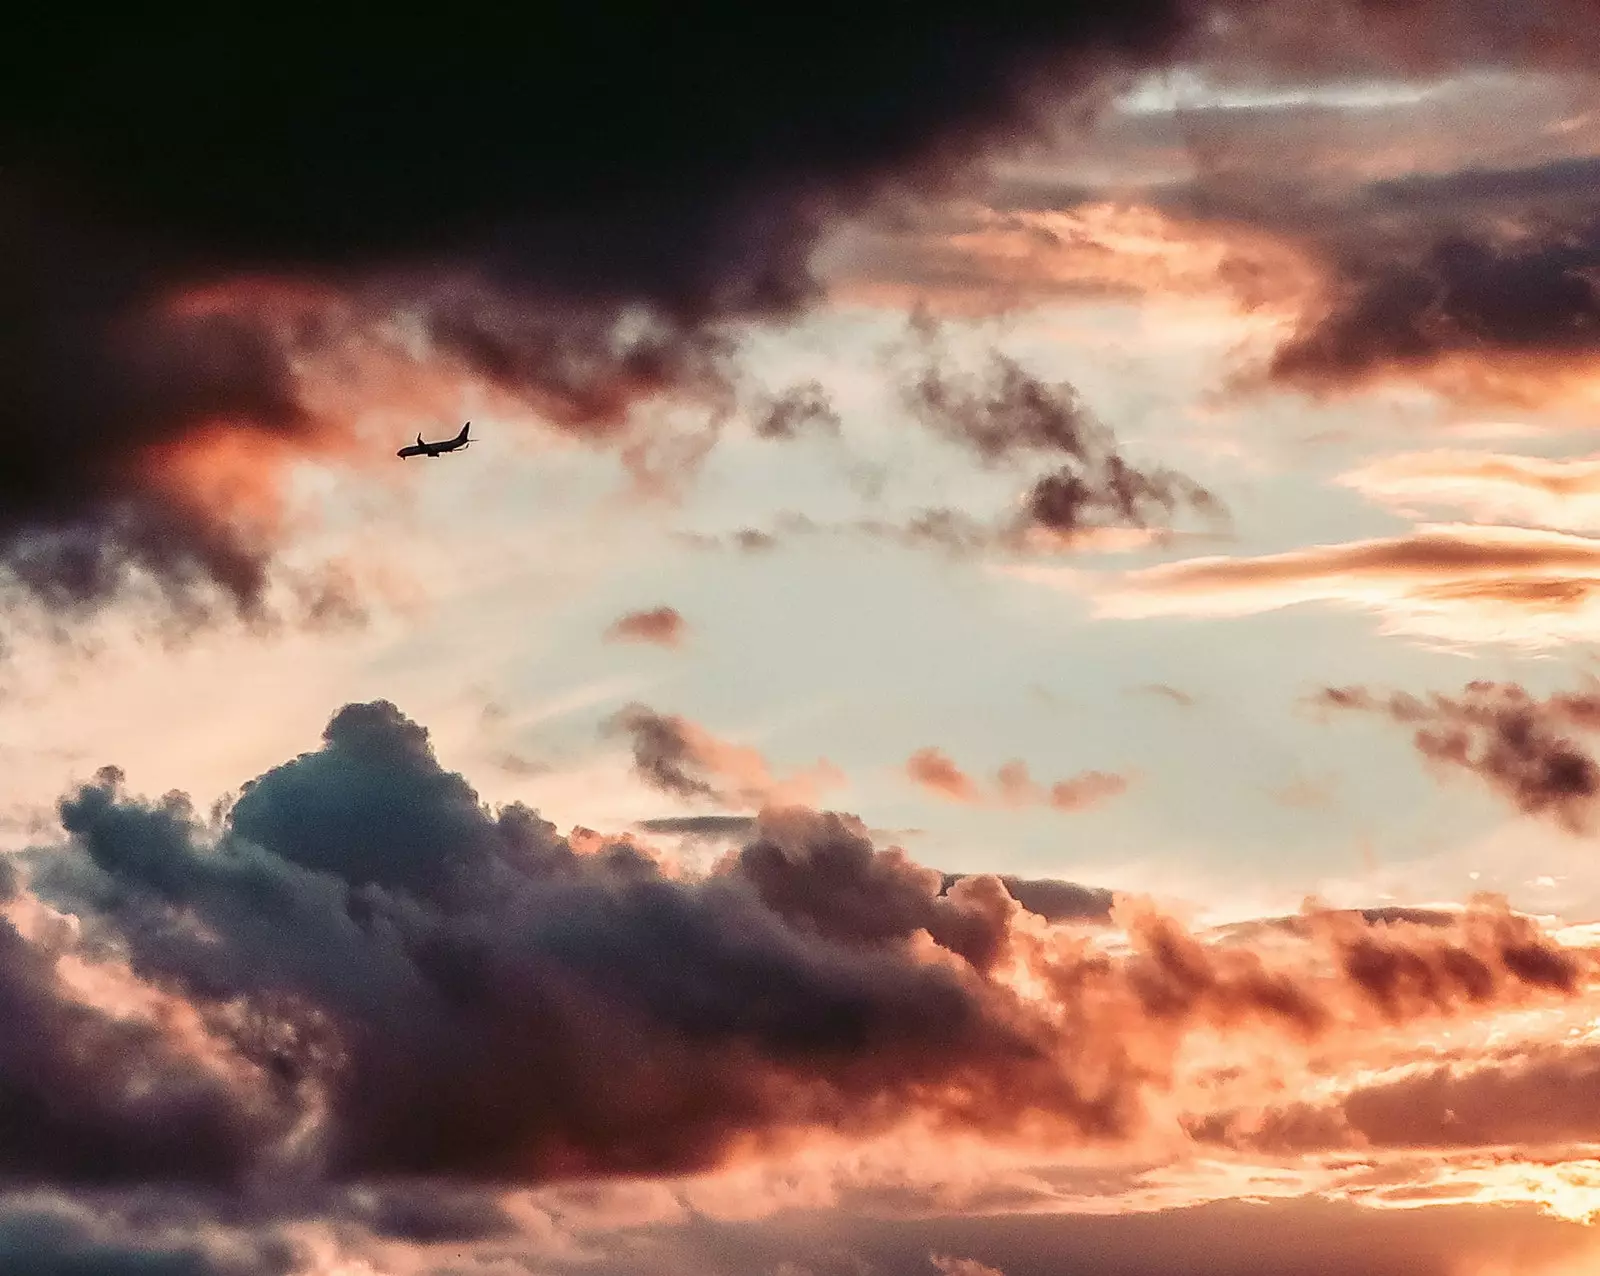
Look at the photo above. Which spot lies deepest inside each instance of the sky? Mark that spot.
(1008, 683)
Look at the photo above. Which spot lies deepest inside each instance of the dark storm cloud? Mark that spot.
(518, 1010)
(1470, 294)
(566, 206)
(44, 1236)
(1523, 748)
(91, 1098)
(1479, 282)
(384, 980)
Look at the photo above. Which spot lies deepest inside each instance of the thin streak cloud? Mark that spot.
(1460, 584)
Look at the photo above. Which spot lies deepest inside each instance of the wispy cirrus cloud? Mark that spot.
(1489, 487)
(1454, 583)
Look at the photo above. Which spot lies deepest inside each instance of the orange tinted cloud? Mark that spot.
(679, 757)
(1496, 309)
(663, 626)
(981, 260)
(810, 984)
(1453, 582)
(934, 770)
(1488, 486)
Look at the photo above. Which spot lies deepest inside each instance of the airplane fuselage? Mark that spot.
(419, 448)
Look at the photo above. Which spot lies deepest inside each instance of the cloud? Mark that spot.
(934, 770)
(661, 625)
(1055, 901)
(1475, 283)
(1458, 583)
(1489, 486)
(1165, 691)
(445, 220)
(1007, 414)
(360, 973)
(1367, 246)
(985, 260)
(1523, 748)
(1531, 1098)
(797, 409)
(1089, 497)
(50, 1240)
(949, 531)
(1484, 313)
(676, 756)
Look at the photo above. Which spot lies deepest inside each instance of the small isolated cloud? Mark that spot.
(663, 626)
(800, 408)
(1166, 691)
(1523, 748)
(934, 771)
(1488, 486)
(676, 756)
(1457, 583)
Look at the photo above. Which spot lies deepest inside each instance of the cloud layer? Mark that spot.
(362, 972)
(565, 221)
(1458, 583)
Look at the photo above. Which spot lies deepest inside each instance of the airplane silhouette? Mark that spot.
(419, 448)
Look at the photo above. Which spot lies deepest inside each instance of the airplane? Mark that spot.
(419, 448)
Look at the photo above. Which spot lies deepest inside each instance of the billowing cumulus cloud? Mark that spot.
(1525, 749)
(361, 972)
(1457, 583)
(663, 626)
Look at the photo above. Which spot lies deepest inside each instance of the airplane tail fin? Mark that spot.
(463, 435)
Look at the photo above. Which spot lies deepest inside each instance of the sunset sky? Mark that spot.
(1008, 684)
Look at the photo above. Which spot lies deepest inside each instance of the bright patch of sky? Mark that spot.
(1185, 89)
